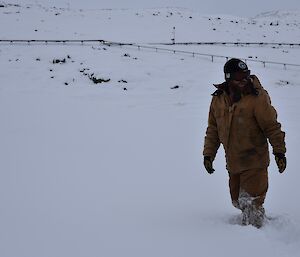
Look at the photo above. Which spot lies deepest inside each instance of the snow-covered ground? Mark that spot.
(115, 169)
(144, 26)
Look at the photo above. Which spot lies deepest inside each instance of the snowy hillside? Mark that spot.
(114, 168)
(24, 21)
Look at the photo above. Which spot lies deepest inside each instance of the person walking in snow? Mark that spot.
(242, 119)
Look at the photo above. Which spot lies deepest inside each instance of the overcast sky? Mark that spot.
(232, 7)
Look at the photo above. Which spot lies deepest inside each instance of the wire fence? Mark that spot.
(46, 41)
(272, 44)
(212, 57)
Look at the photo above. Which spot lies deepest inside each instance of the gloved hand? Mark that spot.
(280, 161)
(208, 164)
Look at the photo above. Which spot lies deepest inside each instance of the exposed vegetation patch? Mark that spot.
(56, 61)
(283, 83)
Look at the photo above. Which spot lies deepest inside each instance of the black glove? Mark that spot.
(280, 161)
(208, 164)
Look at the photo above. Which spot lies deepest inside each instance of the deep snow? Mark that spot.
(95, 170)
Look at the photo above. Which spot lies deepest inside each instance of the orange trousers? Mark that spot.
(253, 182)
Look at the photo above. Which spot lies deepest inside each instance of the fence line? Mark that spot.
(177, 43)
(212, 56)
(12, 41)
(139, 47)
(232, 43)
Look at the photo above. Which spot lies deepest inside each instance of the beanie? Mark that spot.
(234, 65)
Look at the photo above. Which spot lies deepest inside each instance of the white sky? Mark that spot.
(231, 7)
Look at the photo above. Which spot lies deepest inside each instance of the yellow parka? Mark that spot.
(243, 129)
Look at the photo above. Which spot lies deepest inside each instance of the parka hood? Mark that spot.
(254, 87)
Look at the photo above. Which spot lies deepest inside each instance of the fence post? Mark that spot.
(173, 39)
(212, 58)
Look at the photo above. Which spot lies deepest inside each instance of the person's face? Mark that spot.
(240, 79)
